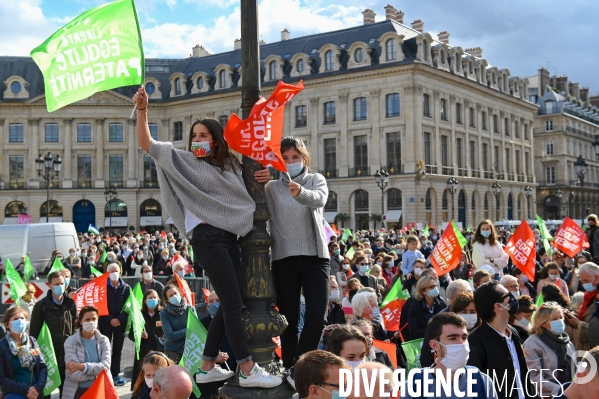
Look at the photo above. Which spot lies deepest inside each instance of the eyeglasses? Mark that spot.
(549, 304)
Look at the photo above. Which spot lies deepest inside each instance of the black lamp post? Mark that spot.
(528, 193)
(48, 168)
(382, 180)
(496, 189)
(581, 171)
(110, 194)
(559, 194)
(452, 185)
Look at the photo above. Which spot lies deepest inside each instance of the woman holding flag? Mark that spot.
(204, 193)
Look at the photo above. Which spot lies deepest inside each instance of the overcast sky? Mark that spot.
(521, 35)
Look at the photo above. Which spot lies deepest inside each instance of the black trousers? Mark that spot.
(117, 338)
(291, 275)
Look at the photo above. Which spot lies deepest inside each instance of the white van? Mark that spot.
(38, 240)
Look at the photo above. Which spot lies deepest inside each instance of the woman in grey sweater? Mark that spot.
(300, 255)
(201, 189)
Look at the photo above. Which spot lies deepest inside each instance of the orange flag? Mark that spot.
(388, 347)
(570, 239)
(523, 250)
(102, 388)
(184, 291)
(206, 292)
(448, 250)
(259, 136)
(278, 351)
(94, 293)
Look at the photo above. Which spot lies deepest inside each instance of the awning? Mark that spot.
(150, 220)
(53, 219)
(330, 216)
(169, 221)
(393, 216)
(11, 221)
(117, 221)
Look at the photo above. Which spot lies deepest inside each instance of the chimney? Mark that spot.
(475, 51)
(399, 16)
(544, 80)
(594, 101)
(390, 12)
(561, 83)
(199, 51)
(444, 37)
(575, 90)
(261, 42)
(418, 25)
(237, 44)
(584, 94)
(368, 16)
(285, 34)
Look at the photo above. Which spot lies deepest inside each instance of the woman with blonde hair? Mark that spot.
(152, 362)
(486, 249)
(549, 353)
(427, 304)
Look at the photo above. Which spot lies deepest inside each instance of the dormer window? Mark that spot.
(300, 66)
(442, 57)
(177, 87)
(329, 61)
(150, 88)
(391, 47)
(153, 88)
(471, 67)
(425, 50)
(15, 87)
(200, 83)
(301, 63)
(222, 79)
(272, 70)
(359, 55)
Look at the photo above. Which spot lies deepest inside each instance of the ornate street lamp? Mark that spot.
(110, 194)
(452, 185)
(382, 180)
(581, 171)
(496, 189)
(48, 168)
(528, 193)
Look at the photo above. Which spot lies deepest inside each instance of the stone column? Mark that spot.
(100, 177)
(5, 169)
(434, 105)
(163, 131)
(378, 142)
(503, 163)
(67, 159)
(313, 121)
(132, 158)
(29, 163)
(346, 139)
(414, 139)
(186, 129)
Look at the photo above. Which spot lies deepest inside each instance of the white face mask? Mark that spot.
(147, 276)
(456, 356)
(149, 382)
(181, 273)
(89, 326)
(471, 320)
(334, 295)
(355, 363)
(114, 276)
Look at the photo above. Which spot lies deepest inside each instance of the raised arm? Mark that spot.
(143, 130)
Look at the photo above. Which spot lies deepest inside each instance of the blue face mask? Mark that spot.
(18, 326)
(376, 312)
(588, 287)
(364, 269)
(486, 233)
(152, 303)
(109, 258)
(175, 299)
(557, 327)
(213, 308)
(67, 280)
(201, 149)
(58, 290)
(295, 169)
(433, 293)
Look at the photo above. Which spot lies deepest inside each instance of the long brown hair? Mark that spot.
(144, 306)
(220, 155)
(478, 237)
(297, 144)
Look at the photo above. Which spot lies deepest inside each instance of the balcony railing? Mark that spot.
(83, 184)
(447, 170)
(501, 176)
(530, 179)
(114, 183)
(359, 172)
(53, 184)
(330, 173)
(488, 174)
(576, 183)
(521, 178)
(475, 173)
(462, 172)
(431, 169)
(510, 176)
(15, 185)
(149, 184)
(395, 169)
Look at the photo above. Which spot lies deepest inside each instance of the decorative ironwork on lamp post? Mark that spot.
(48, 168)
(382, 180)
(452, 185)
(581, 171)
(110, 194)
(528, 193)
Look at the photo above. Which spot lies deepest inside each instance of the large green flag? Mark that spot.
(195, 340)
(95, 271)
(545, 236)
(100, 49)
(412, 349)
(461, 239)
(350, 253)
(396, 292)
(346, 234)
(138, 294)
(136, 319)
(103, 257)
(191, 255)
(44, 340)
(17, 287)
(28, 270)
(425, 232)
(56, 266)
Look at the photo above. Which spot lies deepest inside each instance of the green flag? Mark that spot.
(136, 319)
(17, 287)
(28, 270)
(138, 294)
(396, 292)
(195, 340)
(350, 254)
(103, 257)
(100, 49)
(44, 340)
(412, 350)
(461, 239)
(346, 234)
(95, 271)
(425, 232)
(540, 300)
(56, 266)
(545, 236)
(191, 256)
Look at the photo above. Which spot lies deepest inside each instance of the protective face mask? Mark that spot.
(523, 322)
(185, 253)
(152, 303)
(513, 304)
(471, 320)
(524, 278)
(355, 363)
(181, 273)
(334, 295)
(345, 266)
(589, 287)
(417, 271)
(58, 290)
(334, 394)
(456, 355)
(295, 169)
(147, 276)
(149, 382)
(89, 326)
(160, 247)
(165, 257)
(433, 293)
(376, 313)
(379, 263)
(109, 258)
(18, 326)
(213, 308)
(201, 149)
(67, 280)
(553, 277)
(140, 256)
(486, 233)
(175, 299)
(73, 253)
(336, 252)
(114, 276)
(557, 327)
(364, 269)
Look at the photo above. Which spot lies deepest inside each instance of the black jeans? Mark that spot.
(117, 338)
(218, 253)
(290, 275)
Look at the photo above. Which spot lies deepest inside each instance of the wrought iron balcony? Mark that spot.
(431, 169)
(15, 185)
(359, 172)
(462, 172)
(395, 169)
(447, 170)
(330, 173)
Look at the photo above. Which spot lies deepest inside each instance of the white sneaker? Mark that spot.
(216, 374)
(259, 378)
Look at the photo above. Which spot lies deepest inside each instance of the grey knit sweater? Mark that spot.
(297, 224)
(218, 198)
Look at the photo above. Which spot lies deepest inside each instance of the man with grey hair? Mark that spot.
(588, 274)
(172, 382)
(511, 283)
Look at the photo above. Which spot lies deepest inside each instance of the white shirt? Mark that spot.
(512, 347)
(191, 221)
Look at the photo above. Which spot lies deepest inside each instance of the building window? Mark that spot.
(508, 163)
(458, 113)
(548, 126)
(427, 149)
(177, 131)
(391, 48)
(472, 117)
(222, 79)
(223, 120)
(426, 105)
(272, 70)
(526, 131)
(330, 157)
(443, 109)
(526, 161)
(329, 113)
(300, 66)
(329, 63)
(568, 147)
(84, 133)
(16, 171)
(394, 153)
(518, 163)
(15, 87)
(394, 199)
(550, 174)
(425, 49)
(150, 174)
(393, 104)
(115, 170)
(177, 86)
(458, 145)
(150, 88)
(484, 120)
(516, 129)
(84, 171)
(549, 147)
(15, 133)
(495, 124)
(497, 159)
(361, 154)
(472, 154)
(331, 205)
(444, 151)
(485, 157)
(301, 116)
(359, 55)
(506, 126)
(153, 130)
(549, 107)
(51, 133)
(360, 109)
(115, 133)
